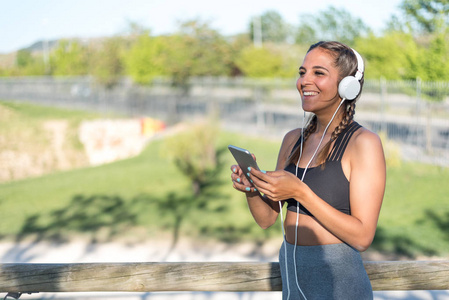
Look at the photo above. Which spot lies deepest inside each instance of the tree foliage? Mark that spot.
(195, 155)
(69, 58)
(197, 50)
(427, 15)
(330, 24)
(403, 51)
(269, 61)
(259, 62)
(28, 65)
(106, 63)
(24, 58)
(274, 28)
(435, 60)
(392, 56)
(145, 59)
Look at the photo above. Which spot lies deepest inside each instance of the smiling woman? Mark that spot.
(331, 175)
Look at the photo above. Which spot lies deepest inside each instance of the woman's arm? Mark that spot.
(367, 179)
(367, 174)
(264, 210)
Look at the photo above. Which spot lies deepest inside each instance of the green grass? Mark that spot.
(40, 112)
(57, 205)
(415, 214)
(146, 196)
(141, 194)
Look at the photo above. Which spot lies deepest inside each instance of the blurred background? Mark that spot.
(115, 117)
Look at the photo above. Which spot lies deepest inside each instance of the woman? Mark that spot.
(331, 175)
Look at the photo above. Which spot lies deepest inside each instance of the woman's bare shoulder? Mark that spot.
(365, 138)
(288, 143)
(365, 143)
(291, 138)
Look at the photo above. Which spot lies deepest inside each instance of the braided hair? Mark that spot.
(346, 62)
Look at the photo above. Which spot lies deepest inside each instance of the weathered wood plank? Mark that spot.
(140, 277)
(208, 276)
(408, 275)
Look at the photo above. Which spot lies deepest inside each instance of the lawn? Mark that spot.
(146, 196)
(415, 215)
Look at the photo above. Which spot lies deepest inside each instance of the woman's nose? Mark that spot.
(298, 84)
(305, 78)
(303, 81)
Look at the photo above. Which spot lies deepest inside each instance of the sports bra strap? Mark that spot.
(298, 142)
(340, 144)
(342, 141)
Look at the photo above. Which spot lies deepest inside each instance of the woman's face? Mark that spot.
(318, 81)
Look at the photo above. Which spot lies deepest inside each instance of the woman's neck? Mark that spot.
(323, 122)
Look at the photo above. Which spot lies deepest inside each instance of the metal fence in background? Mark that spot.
(413, 114)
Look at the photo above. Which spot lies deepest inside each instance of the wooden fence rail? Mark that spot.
(200, 276)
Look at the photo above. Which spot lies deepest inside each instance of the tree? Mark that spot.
(145, 59)
(274, 28)
(397, 24)
(197, 50)
(436, 60)
(435, 69)
(306, 33)
(106, 64)
(195, 155)
(28, 65)
(24, 58)
(259, 62)
(331, 24)
(269, 61)
(427, 15)
(237, 43)
(398, 55)
(392, 56)
(69, 58)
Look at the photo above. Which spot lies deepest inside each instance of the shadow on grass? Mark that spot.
(84, 214)
(106, 217)
(400, 245)
(440, 220)
(102, 218)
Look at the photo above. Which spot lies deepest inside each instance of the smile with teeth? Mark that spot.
(310, 93)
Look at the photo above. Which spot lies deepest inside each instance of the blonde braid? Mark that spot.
(311, 128)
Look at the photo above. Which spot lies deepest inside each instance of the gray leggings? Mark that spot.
(324, 272)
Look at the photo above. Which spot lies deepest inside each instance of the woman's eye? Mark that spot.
(301, 73)
(319, 73)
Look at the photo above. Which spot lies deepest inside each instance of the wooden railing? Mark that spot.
(200, 276)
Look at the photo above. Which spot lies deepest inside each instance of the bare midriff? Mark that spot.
(309, 233)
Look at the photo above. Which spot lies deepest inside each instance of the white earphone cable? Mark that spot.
(297, 205)
(282, 225)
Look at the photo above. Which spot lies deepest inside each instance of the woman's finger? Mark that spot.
(244, 188)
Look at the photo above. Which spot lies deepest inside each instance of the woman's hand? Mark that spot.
(239, 180)
(277, 185)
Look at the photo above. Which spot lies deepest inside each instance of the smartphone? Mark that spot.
(243, 158)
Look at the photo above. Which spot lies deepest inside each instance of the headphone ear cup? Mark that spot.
(349, 88)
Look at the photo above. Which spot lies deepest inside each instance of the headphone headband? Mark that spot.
(360, 65)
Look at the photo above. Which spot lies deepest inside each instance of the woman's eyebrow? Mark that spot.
(320, 67)
(315, 67)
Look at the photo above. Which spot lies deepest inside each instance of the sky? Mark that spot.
(24, 22)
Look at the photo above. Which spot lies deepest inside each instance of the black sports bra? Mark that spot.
(328, 183)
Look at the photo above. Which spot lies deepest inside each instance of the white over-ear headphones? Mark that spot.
(349, 86)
